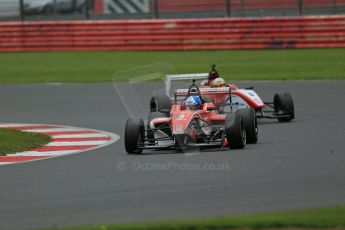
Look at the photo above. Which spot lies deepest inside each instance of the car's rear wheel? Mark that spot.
(283, 105)
(134, 135)
(250, 125)
(160, 103)
(235, 131)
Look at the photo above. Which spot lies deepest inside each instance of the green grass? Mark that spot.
(312, 218)
(290, 64)
(12, 141)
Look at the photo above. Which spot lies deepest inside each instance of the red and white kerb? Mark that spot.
(65, 140)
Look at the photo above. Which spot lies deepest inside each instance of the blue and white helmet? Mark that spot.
(193, 102)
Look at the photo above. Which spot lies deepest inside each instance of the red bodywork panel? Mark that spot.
(180, 118)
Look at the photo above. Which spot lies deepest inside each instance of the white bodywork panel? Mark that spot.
(252, 95)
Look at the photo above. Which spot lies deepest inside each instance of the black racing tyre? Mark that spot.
(283, 105)
(134, 135)
(250, 124)
(160, 103)
(235, 131)
(153, 115)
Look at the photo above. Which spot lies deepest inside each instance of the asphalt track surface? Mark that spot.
(295, 165)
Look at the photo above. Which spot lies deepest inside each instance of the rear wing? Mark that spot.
(181, 77)
(205, 90)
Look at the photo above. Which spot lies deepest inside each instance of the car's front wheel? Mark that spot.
(134, 135)
(235, 131)
(284, 107)
(250, 125)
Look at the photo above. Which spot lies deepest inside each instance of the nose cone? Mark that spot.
(180, 121)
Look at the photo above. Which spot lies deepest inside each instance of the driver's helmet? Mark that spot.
(193, 102)
(218, 82)
(213, 75)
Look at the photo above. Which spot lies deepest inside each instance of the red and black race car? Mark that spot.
(219, 116)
